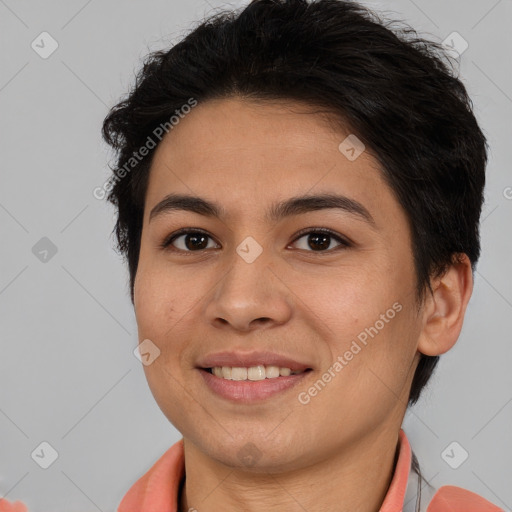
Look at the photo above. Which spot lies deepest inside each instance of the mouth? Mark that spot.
(251, 385)
(246, 377)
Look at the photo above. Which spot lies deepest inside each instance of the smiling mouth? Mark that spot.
(252, 373)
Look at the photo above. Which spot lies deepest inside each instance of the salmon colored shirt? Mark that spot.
(158, 489)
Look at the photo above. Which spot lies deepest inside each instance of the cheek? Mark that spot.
(386, 346)
(161, 299)
(167, 305)
(367, 320)
(161, 308)
(348, 299)
(151, 302)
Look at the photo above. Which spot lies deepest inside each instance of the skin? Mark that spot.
(338, 451)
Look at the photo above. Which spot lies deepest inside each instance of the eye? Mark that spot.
(188, 240)
(319, 240)
(195, 240)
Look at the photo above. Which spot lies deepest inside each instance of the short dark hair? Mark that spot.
(397, 92)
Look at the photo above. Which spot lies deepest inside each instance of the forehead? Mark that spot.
(246, 155)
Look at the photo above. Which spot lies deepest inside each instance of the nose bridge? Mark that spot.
(248, 275)
(249, 290)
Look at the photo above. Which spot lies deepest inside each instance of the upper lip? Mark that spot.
(248, 359)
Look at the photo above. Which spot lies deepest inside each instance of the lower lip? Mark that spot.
(248, 391)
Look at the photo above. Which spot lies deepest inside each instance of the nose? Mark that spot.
(249, 296)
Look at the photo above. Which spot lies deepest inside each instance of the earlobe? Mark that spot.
(444, 309)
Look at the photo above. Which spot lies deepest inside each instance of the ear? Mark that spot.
(444, 309)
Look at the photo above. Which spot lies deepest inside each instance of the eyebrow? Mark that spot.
(293, 206)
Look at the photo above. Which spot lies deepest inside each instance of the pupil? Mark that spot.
(321, 239)
(194, 244)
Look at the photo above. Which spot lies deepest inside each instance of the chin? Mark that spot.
(256, 452)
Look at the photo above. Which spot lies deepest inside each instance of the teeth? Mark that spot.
(259, 372)
(238, 373)
(217, 371)
(271, 372)
(256, 373)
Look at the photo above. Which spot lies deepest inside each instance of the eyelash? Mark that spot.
(344, 243)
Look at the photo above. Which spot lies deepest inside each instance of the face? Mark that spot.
(329, 284)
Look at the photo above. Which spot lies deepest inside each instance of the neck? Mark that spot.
(354, 478)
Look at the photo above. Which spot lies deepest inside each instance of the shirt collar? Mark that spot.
(394, 500)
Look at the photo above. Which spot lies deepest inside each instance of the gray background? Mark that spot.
(67, 328)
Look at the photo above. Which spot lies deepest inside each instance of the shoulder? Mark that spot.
(449, 498)
(17, 506)
(157, 488)
(422, 496)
